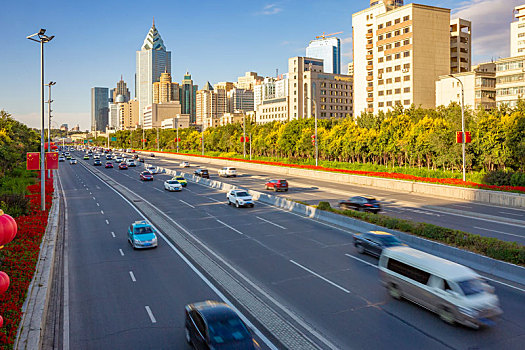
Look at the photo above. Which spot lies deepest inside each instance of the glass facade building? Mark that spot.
(99, 108)
(329, 50)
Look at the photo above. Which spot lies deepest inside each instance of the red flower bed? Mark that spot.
(19, 258)
(397, 176)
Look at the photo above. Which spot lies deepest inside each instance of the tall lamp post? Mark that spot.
(42, 39)
(49, 110)
(462, 123)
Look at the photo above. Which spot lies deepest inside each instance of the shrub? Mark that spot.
(324, 206)
(14, 204)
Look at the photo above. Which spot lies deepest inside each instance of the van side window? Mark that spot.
(408, 271)
(447, 287)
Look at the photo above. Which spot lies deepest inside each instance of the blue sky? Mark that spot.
(215, 40)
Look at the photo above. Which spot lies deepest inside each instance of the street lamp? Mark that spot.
(462, 123)
(42, 39)
(51, 83)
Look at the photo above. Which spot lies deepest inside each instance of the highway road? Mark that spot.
(311, 269)
(504, 223)
(120, 298)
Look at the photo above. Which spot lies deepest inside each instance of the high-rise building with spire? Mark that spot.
(152, 61)
(187, 95)
(165, 91)
(121, 89)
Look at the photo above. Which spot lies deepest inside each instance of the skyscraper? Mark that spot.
(187, 95)
(152, 61)
(164, 90)
(99, 108)
(329, 50)
(121, 89)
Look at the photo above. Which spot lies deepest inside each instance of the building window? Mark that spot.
(398, 67)
(389, 104)
(388, 69)
(406, 102)
(380, 71)
(406, 30)
(406, 42)
(398, 55)
(406, 78)
(381, 104)
(406, 54)
(389, 23)
(389, 92)
(406, 66)
(389, 46)
(370, 31)
(407, 89)
(397, 44)
(380, 60)
(381, 93)
(388, 35)
(397, 32)
(380, 37)
(398, 79)
(389, 81)
(389, 58)
(380, 48)
(397, 21)
(380, 26)
(406, 18)
(380, 82)
(397, 91)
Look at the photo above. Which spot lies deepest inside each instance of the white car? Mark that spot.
(72, 161)
(185, 164)
(172, 185)
(227, 172)
(61, 158)
(240, 198)
(153, 170)
(118, 159)
(130, 162)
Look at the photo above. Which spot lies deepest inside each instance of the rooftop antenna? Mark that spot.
(276, 72)
(153, 21)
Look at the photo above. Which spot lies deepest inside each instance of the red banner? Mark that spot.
(33, 161)
(51, 160)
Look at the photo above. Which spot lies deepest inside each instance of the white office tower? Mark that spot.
(152, 61)
(113, 121)
(517, 32)
(329, 50)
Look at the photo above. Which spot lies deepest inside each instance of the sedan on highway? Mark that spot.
(215, 325)
(123, 166)
(277, 185)
(373, 242)
(109, 165)
(172, 185)
(86, 157)
(118, 159)
(185, 164)
(146, 176)
(240, 198)
(97, 162)
(61, 158)
(227, 172)
(72, 161)
(181, 180)
(142, 235)
(153, 170)
(202, 173)
(361, 203)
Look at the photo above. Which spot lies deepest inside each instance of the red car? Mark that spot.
(109, 165)
(277, 185)
(123, 166)
(146, 176)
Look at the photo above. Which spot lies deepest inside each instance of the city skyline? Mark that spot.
(285, 35)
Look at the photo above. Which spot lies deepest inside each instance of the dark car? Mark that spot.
(146, 176)
(97, 162)
(215, 325)
(135, 156)
(152, 154)
(123, 166)
(109, 165)
(141, 160)
(277, 185)
(202, 173)
(361, 203)
(373, 242)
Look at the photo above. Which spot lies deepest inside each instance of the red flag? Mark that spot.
(51, 160)
(33, 161)
(468, 137)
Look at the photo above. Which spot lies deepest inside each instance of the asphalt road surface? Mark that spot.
(310, 268)
(504, 223)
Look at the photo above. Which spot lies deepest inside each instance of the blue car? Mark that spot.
(142, 235)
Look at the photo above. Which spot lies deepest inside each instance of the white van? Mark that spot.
(455, 292)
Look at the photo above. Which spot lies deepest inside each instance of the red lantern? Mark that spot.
(8, 228)
(4, 282)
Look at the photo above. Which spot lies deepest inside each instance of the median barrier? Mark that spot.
(421, 188)
(478, 262)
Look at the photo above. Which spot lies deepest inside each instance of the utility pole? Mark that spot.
(49, 110)
(244, 134)
(158, 141)
(462, 124)
(143, 137)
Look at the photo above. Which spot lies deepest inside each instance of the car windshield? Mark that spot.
(171, 182)
(231, 169)
(145, 173)
(472, 286)
(389, 241)
(242, 194)
(227, 331)
(179, 178)
(143, 230)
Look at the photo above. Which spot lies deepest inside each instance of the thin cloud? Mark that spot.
(490, 26)
(346, 40)
(271, 9)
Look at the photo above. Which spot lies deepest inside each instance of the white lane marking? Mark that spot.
(98, 205)
(268, 221)
(188, 204)
(462, 206)
(107, 222)
(213, 199)
(65, 320)
(505, 233)
(234, 229)
(132, 276)
(157, 189)
(93, 197)
(121, 252)
(113, 234)
(504, 212)
(321, 277)
(150, 314)
(102, 212)
(309, 194)
(361, 260)
(289, 313)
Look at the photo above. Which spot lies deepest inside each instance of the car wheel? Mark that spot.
(286, 190)
(394, 291)
(229, 203)
(360, 248)
(446, 315)
(187, 335)
(236, 204)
